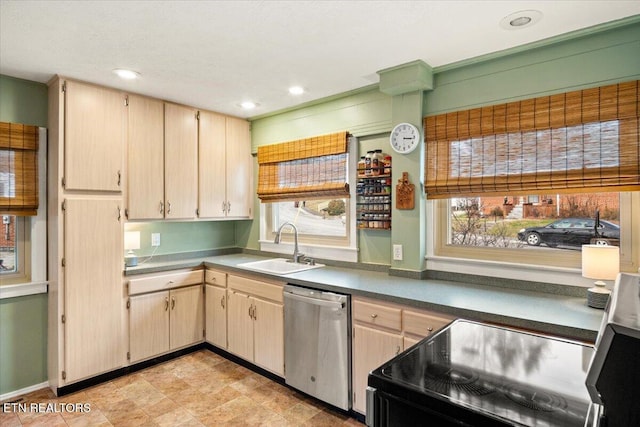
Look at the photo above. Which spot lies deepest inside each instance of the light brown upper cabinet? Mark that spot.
(225, 167)
(180, 162)
(145, 167)
(94, 136)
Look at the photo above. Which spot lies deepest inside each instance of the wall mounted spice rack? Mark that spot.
(373, 205)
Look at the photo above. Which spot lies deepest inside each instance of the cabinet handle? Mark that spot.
(168, 207)
(173, 302)
(398, 350)
(430, 329)
(222, 302)
(254, 313)
(161, 207)
(373, 316)
(250, 315)
(224, 206)
(119, 213)
(228, 207)
(119, 178)
(166, 304)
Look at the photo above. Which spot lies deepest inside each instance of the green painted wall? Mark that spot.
(23, 101)
(365, 113)
(598, 56)
(23, 320)
(178, 237)
(23, 342)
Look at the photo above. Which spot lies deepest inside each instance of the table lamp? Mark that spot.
(131, 242)
(600, 262)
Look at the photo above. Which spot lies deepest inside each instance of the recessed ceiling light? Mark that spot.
(521, 19)
(296, 90)
(248, 105)
(126, 74)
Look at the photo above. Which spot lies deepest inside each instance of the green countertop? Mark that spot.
(553, 314)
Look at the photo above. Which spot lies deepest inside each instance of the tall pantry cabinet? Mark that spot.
(86, 303)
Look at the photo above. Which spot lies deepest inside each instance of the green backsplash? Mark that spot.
(178, 237)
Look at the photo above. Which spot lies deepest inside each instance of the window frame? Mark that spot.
(23, 247)
(35, 244)
(550, 266)
(330, 248)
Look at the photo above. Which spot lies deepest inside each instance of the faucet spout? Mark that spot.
(297, 256)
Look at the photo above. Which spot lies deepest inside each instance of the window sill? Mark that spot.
(506, 270)
(336, 253)
(23, 289)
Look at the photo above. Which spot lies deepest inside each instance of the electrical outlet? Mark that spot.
(397, 252)
(155, 239)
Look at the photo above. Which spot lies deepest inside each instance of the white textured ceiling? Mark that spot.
(216, 54)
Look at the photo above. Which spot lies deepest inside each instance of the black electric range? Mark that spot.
(474, 374)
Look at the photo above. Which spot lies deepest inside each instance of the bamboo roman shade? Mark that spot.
(586, 140)
(18, 169)
(304, 169)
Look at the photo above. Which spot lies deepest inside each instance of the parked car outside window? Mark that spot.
(571, 232)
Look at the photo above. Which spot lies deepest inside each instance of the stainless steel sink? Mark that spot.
(278, 266)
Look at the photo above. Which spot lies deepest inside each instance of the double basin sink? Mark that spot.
(278, 266)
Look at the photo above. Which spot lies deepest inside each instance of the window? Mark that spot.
(14, 238)
(305, 182)
(507, 172)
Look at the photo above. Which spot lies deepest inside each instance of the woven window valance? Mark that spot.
(586, 140)
(18, 169)
(304, 169)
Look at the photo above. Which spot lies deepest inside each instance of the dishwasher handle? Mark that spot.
(314, 301)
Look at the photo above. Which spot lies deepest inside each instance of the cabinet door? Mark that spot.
(216, 316)
(145, 172)
(211, 165)
(186, 316)
(371, 348)
(239, 168)
(180, 162)
(268, 335)
(148, 325)
(239, 325)
(93, 295)
(94, 138)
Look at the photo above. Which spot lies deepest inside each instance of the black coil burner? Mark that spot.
(443, 378)
(536, 399)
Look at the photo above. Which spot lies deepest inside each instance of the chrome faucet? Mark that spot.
(297, 256)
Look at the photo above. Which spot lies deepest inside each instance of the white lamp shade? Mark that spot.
(600, 262)
(131, 240)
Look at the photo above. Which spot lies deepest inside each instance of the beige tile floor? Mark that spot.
(198, 389)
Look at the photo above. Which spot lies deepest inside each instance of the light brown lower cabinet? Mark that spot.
(160, 322)
(255, 322)
(215, 318)
(382, 330)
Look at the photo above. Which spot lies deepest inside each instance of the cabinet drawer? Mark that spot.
(159, 282)
(271, 291)
(422, 324)
(374, 314)
(214, 277)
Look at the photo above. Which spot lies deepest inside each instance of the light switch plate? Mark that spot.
(397, 252)
(155, 239)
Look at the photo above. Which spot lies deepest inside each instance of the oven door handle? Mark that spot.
(370, 417)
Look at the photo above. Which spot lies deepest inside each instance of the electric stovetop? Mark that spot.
(513, 377)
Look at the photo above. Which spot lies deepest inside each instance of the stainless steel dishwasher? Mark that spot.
(317, 346)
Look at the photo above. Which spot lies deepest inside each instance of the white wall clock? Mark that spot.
(404, 138)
